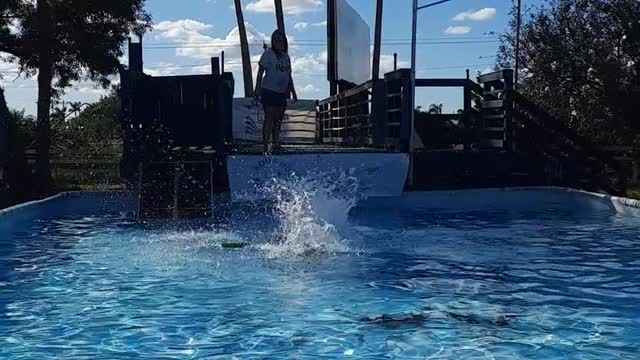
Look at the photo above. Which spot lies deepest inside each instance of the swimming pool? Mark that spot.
(545, 274)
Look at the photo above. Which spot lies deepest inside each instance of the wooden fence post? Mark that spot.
(379, 112)
(407, 109)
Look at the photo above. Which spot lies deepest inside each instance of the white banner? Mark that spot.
(353, 38)
(377, 175)
(298, 126)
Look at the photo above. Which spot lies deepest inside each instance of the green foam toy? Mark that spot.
(233, 245)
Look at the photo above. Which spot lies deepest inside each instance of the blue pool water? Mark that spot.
(480, 275)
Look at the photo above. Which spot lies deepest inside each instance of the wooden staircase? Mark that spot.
(496, 110)
(580, 164)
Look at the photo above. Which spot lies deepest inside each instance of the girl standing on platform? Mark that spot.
(273, 86)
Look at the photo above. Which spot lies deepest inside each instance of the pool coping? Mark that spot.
(620, 204)
(31, 203)
(64, 194)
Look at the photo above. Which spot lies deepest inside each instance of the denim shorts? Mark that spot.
(273, 99)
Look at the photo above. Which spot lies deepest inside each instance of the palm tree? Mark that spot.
(435, 109)
(244, 49)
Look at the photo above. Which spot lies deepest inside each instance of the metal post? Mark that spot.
(395, 61)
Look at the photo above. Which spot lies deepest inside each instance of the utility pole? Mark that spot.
(517, 54)
(414, 34)
(378, 41)
(244, 49)
(331, 46)
(280, 16)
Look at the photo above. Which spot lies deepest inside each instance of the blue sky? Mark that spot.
(187, 32)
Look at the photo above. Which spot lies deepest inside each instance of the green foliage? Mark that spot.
(16, 181)
(63, 41)
(581, 61)
(4, 130)
(86, 36)
(94, 131)
(633, 193)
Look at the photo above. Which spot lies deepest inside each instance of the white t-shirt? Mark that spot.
(277, 71)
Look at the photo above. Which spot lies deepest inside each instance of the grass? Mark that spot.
(633, 193)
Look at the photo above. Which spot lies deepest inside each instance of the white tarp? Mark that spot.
(377, 175)
(298, 126)
(353, 38)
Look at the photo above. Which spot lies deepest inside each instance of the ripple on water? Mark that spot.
(494, 286)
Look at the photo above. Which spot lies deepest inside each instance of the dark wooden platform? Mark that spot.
(290, 149)
(450, 169)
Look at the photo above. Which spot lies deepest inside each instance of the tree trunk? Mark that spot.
(280, 16)
(244, 48)
(43, 172)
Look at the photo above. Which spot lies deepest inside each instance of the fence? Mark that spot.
(83, 172)
(379, 113)
(374, 114)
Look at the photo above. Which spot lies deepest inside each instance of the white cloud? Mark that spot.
(308, 91)
(90, 89)
(458, 30)
(309, 64)
(291, 7)
(181, 27)
(320, 24)
(480, 15)
(301, 26)
(195, 44)
(386, 64)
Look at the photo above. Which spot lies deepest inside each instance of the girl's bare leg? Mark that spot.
(277, 126)
(267, 129)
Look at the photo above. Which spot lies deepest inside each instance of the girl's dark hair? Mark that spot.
(284, 38)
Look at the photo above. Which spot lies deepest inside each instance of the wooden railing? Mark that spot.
(374, 114)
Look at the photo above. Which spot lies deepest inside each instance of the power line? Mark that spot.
(226, 45)
(315, 75)
(322, 41)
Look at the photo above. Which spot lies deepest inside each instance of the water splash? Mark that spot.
(310, 211)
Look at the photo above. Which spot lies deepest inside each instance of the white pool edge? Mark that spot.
(22, 206)
(622, 205)
(65, 194)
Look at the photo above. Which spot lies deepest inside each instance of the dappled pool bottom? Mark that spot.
(400, 282)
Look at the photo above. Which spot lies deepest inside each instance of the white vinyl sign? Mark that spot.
(298, 126)
(353, 37)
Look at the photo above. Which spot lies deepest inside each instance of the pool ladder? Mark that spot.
(173, 190)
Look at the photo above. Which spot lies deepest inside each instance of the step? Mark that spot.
(493, 77)
(495, 92)
(492, 104)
